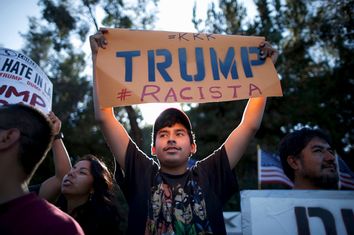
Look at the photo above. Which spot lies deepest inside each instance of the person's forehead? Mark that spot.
(316, 141)
(174, 127)
(83, 164)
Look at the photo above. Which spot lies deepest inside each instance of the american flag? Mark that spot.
(346, 176)
(270, 170)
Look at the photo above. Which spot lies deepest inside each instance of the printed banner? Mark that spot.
(140, 66)
(22, 81)
(293, 212)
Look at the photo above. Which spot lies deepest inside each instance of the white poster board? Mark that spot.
(292, 212)
(23, 81)
(233, 222)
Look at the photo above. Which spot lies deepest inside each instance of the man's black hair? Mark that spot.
(36, 133)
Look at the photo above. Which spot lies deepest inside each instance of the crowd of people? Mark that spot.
(164, 195)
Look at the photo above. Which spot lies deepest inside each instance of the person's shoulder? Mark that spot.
(63, 223)
(218, 155)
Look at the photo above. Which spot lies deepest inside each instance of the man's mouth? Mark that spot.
(330, 167)
(171, 149)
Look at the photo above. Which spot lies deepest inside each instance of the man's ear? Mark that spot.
(293, 162)
(9, 137)
(153, 151)
(194, 149)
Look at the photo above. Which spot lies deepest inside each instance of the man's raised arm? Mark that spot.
(237, 142)
(115, 134)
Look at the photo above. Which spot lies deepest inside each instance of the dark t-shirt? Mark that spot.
(190, 203)
(32, 215)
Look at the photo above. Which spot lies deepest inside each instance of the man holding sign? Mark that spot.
(165, 196)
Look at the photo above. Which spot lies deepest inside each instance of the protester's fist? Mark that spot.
(266, 50)
(98, 40)
(56, 123)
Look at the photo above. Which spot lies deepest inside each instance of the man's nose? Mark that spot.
(329, 156)
(171, 139)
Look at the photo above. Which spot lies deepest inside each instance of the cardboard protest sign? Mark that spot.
(22, 81)
(293, 212)
(141, 66)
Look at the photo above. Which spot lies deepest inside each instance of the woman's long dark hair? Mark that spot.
(102, 180)
(100, 214)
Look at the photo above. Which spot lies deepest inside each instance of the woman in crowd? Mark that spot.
(86, 191)
(88, 195)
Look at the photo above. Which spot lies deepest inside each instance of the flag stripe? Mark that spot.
(277, 180)
(347, 183)
(275, 176)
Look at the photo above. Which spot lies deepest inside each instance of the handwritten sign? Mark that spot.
(22, 81)
(168, 67)
(293, 212)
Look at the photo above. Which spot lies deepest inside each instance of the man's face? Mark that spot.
(173, 147)
(317, 164)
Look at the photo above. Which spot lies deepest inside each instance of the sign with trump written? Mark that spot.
(141, 66)
(23, 81)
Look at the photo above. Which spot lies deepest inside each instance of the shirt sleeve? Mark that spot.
(217, 176)
(139, 169)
